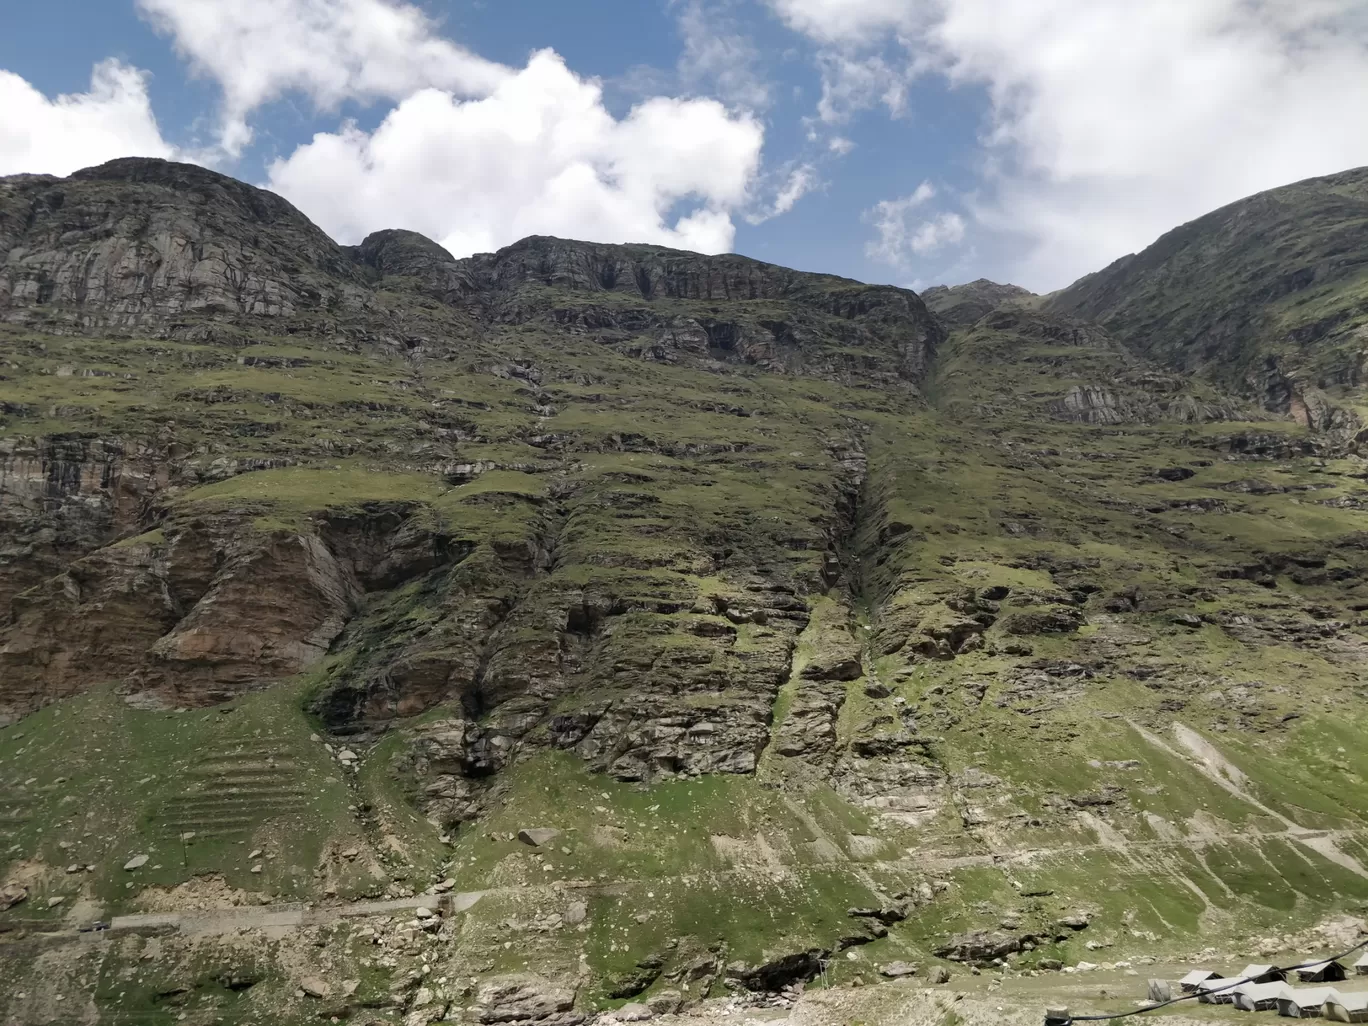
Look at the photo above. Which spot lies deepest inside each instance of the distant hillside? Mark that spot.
(1268, 295)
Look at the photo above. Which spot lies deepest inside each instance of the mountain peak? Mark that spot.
(1267, 295)
(963, 305)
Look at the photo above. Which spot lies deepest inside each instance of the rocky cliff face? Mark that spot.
(1265, 295)
(136, 241)
(170, 241)
(777, 614)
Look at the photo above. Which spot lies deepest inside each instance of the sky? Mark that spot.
(912, 142)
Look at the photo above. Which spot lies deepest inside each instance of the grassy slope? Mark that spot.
(766, 870)
(1276, 277)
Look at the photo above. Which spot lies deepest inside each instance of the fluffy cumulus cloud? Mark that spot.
(473, 153)
(1112, 120)
(327, 50)
(539, 155)
(57, 136)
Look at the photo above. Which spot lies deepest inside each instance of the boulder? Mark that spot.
(981, 946)
(775, 975)
(12, 894)
(136, 862)
(938, 974)
(633, 981)
(1175, 474)
(897, 970)
(520, 998)
(887, 915)
(842, 666)
(1059, 620)
(538, 836)
(313, 987)
(634, 1013)
(665, 1002)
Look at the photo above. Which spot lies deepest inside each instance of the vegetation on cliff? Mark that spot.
(826, 628)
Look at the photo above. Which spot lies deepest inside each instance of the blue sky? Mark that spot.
(904, 141)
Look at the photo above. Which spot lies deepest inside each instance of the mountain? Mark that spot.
(961, 306)
(1268, 295)
(389, 636)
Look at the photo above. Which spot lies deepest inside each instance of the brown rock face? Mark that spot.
(135, 240)
(211, 609)
(62, 496)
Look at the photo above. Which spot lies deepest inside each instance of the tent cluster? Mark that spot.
(1265, 988)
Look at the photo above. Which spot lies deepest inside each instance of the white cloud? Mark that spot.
(539, 155)
(473, 153)
(59, 136)
(853, 83)
(1114, 120)
(797, 183)
(943, 229)
(719, 59)
(840, 145)
(800, 182)
(847, 21)
(328, 50)
(900, 238)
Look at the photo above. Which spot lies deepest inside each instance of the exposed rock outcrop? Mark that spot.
(960, 306)
(136, 240)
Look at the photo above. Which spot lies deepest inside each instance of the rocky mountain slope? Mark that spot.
(704, 625)
(1268, 295)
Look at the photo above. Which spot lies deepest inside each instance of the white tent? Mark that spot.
(1304, 1002)
(1361, 966)
(1195, 979)
(1347, 1007)
(1322, 972)
(1216, 992)
(1258, 997)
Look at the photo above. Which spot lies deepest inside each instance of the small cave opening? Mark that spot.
(584, 620)
(722, 336)
(581, 621)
